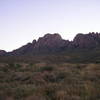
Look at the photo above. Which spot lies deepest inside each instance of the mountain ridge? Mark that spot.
(51, 43)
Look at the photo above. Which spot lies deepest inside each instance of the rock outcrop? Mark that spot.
(2, 52)
(52, 43)
(91, 40)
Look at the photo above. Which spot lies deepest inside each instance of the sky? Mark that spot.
(21, 21)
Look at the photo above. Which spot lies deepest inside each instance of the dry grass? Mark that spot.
(49, 81)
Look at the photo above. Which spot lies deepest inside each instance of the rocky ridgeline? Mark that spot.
(54, 43)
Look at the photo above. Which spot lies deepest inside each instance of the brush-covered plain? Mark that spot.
(49, 81)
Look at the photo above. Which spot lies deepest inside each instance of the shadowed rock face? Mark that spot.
(50, 43)
(90, 40)
(2, 52)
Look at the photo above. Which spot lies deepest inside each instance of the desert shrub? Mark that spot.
(46, 68)
(18, 65)
(60, 76)
(14, 65)
(21, 92)
(55, 77)
(4, 69)
(50, 93)
(30, 64)
(50, 78)
(11, 65)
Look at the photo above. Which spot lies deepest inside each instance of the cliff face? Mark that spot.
(51, 43)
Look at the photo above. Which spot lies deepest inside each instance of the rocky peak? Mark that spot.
(34, 42)
(49, 41)
(55, 36)
(87, 40)
(2, 52)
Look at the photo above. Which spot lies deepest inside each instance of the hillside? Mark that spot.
(53, 43)
(84, 48)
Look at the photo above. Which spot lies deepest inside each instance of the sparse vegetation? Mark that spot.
(45, 81)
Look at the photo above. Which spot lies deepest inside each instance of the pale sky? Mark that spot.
(21, 21)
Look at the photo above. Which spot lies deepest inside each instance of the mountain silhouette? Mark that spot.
(52, 43)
